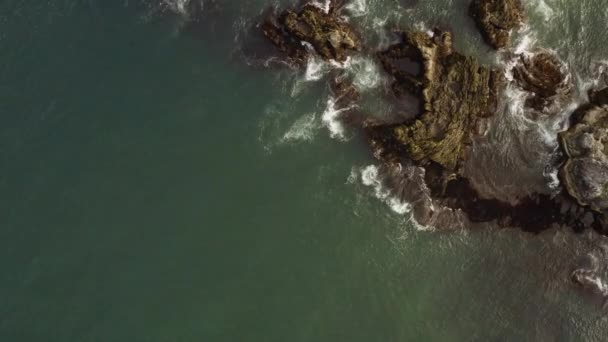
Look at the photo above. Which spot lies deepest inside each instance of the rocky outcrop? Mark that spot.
(544, 77)
(496, 19)
(297, 33)
(585, 172)
(456, 94)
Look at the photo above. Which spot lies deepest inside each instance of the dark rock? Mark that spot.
(456, 93)
(496, 19)
(544, 77)
(599, 97)
(327, 33)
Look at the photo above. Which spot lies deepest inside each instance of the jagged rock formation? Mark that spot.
(585, 173)
(326, 33)
(457, 93)
(496, 19)
(544, 77)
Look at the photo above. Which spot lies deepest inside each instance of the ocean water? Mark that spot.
(163, 179)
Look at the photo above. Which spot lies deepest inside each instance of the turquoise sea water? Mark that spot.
(156, 186)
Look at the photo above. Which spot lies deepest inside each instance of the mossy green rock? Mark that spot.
(456, 93)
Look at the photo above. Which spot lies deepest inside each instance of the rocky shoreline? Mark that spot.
(458, 96)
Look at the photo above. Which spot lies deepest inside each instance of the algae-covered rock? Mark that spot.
(326, 32)
(585, 173)
(544, 77)
(496, 19)
(456, 93)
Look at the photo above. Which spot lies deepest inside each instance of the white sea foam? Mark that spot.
(370, 177)
(595, 281)
(178, 6)
(357, 8)
(324, 5)
(552, 176)
(182, 6)
(331, 119)
(423, 27)
(594, 276)
(526, 41)
(353, 176)
(521, 126)
(365, 72)
(303, 129)
(316, 68)
(516, 98)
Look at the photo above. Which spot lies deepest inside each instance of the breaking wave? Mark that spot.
(370, 177)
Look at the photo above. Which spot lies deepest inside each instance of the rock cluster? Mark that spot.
(295, 33)
(496, 19)
(456, 93)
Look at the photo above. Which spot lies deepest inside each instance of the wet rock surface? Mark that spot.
(585, 172)
(544, 77)
(296, 33)
(456, 94)
(496, 19)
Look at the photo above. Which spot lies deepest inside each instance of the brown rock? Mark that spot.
(496, 19)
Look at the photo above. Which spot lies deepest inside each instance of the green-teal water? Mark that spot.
(155, 186)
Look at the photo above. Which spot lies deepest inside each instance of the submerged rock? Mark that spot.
(496, 19)
(456, 94)
(325, 32)
(544, 77)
